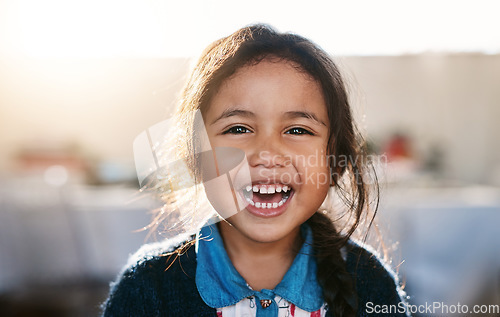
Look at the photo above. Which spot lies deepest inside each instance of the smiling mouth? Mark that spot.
(267, 196)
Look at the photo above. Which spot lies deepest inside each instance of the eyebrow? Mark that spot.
(234, 112)
(304, 114)
(289, 114)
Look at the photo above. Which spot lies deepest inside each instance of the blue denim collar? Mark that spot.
(220, 285)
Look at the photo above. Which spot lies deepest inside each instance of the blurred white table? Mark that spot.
(73, 233)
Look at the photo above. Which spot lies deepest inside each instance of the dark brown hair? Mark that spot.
(250, 45)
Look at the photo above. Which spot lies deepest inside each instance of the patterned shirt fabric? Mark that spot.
(247, 308)
(223, 288)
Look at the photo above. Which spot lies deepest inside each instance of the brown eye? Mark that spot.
(236, 130)
(299, 131)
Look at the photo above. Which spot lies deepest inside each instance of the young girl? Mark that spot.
(281, 100)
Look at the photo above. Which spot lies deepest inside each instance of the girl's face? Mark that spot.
(276, 114)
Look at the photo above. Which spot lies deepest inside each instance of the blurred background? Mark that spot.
(80, 79)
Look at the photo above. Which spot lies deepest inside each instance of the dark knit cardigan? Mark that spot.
(147, 288)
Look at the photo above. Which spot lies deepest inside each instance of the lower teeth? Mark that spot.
(268, 205)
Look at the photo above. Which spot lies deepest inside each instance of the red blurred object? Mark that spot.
(398, 147)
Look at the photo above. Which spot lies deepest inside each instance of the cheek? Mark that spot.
(318, 178)
(311, 156)
(314, 169)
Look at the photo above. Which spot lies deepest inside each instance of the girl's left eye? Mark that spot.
(299, 131)
(236, 130)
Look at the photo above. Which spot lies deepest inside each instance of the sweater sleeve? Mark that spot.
(138, 290)
(378, 288)
(153, 284)
(133, 294)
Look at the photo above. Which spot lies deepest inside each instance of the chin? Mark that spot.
(265, 236)
(259, 230)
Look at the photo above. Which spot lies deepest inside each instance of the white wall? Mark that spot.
(452, 100)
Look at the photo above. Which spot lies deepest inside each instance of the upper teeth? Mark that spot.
(268, 189)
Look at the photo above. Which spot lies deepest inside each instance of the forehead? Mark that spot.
(273, 68)
(270, 85)
(274, 63)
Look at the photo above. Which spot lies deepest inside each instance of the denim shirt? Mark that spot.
(220, 285)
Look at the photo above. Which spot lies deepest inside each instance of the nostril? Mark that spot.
(267, 159)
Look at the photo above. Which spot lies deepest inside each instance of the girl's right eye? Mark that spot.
(236, 130)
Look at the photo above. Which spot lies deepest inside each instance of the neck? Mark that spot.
(261, 264)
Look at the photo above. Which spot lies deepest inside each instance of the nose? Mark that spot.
(267, 152)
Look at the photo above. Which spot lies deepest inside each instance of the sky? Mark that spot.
(160, 28)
